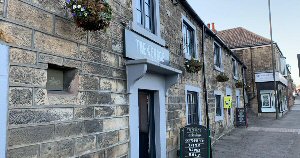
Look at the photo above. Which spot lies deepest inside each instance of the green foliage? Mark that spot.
(239, 84)
(222, 77)
(193, 66)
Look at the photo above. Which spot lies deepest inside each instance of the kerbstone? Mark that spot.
(30, 16)
(20, 97)
(20, 56)
(24, 152)
(28, 76)
(35, 116)
(30, 135)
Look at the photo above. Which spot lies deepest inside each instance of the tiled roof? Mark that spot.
(240, 38)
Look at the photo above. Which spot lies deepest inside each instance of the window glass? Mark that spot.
(144, 14)
(218, 105)
(188, 40)
(217, 55)
(192, 101)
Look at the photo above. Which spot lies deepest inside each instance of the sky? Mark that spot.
(253, 15)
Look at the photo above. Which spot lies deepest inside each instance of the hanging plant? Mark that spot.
(193, 66)
(239, 84)
(222, 78)
(91, 15)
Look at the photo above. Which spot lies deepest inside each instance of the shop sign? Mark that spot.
(138, 47)
(268, 77)
(241, 117)
(227, 102)
(194, 141)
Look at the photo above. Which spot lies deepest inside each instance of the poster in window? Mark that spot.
(265, 99)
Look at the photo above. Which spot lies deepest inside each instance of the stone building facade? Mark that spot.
(97, 115)
(256, 52)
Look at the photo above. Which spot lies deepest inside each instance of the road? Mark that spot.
(264, 138)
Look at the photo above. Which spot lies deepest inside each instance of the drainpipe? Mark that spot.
(205, 89)
(243, 72)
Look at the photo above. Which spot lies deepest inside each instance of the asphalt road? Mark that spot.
(264, 138)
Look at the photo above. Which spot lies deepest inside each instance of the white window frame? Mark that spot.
(156, 36)
(198, 91)
(236, 72)
(219, 118)
(188, 22)
(221, 69)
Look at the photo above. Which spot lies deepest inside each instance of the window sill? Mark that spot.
(157, 39)
(218, 68)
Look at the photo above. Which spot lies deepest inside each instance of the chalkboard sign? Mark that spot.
(241, 117)
(194, 141)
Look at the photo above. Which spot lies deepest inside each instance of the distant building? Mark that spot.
(255, 51)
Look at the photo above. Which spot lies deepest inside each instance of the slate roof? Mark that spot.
(240, 38)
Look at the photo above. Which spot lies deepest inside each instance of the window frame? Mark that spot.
(216, 67)
(219, 93)
(154, 36)
(236, 71)
(197, 90)
(187, 22)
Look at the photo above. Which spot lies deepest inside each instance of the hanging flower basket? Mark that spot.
(91, 15)
(193, 66)
(239, 84)
(222, 78)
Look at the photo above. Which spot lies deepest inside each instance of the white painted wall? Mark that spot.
(4, 61)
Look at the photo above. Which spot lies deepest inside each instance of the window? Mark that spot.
(217, 56)
(219, 106)
(189, 39)
(144, 14)
(235, 69)
(192, 103)
(193, 107)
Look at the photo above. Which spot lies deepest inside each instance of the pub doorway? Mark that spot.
(146, 124)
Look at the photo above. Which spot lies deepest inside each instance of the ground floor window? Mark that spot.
(219, 110)
(192, 101)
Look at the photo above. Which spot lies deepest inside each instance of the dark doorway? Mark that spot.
(146, 125)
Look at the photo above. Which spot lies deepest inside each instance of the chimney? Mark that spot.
(213, 27)
(208, 25)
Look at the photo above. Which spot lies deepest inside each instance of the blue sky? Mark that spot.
(253, 15)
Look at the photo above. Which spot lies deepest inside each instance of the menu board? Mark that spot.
(194, 141)
(241, 117)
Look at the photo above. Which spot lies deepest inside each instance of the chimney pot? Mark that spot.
(208, 25)
(213, 27)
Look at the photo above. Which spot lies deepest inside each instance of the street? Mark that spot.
(264, 138)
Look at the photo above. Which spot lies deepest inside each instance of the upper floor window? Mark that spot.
(235, 69)
(192, 103)
(217, 55)
(189, 39)
(144, 14)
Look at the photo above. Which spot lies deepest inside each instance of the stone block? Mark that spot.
(100, 39)
(84, 113)
(109, 59)
(84, 145)
(17, 35)
(104, 111)
(115, 124)
(122, 110)
(118, 151)
(90, 54)
(107, 139)
(98, 154)
(35, 116)
(55, 45)
(121, 86)
(97, 69)
(119, 99)
(63, 99)
(20, 97)
(123, 135)
(30, 16)
(56, 6)
(69, 129)
(95, 97)
(117, 46)
(1, 8)
(88, 82)
(108, 84)
(30, 135)
(20, 56)
(69, 30)
(24, 152)
(92, 126)
(119, 74)
(64, 148)
(27, 76)
(45, 58)
(72, 63)
(40, 97)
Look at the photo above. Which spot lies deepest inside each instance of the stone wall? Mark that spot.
(43, 124)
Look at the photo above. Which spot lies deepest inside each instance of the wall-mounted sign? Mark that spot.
(138, 47)
(227, 102)
(194, 141)
(268, 77)
(241, 117)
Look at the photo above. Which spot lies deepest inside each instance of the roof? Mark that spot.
(240, 38)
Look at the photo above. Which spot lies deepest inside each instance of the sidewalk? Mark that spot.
(264, 138)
